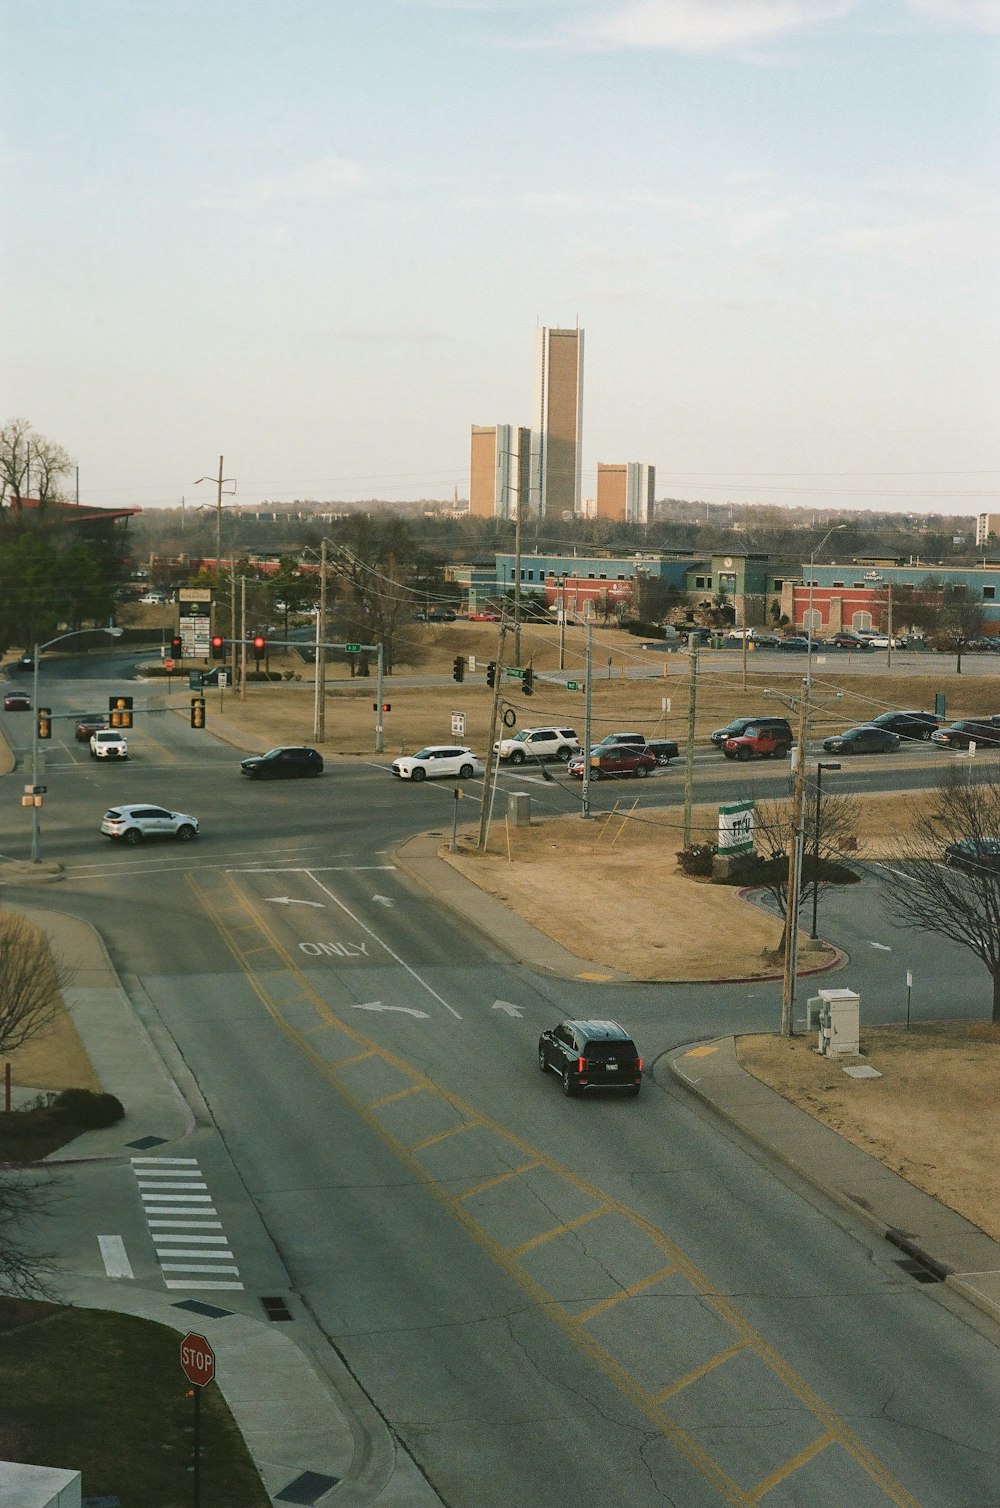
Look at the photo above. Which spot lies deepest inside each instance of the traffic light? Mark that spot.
(528, 682)
(176, 649)
(386, 706)
(45, 722)
(491, 672)
(218, 647)
(197, 712)
(458, 674)
(120, 708)
(259, 644)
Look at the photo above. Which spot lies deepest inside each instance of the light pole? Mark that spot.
(820, 767)
(809, 610)
(115, 633)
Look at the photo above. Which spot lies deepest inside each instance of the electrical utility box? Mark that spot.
(837, 1013)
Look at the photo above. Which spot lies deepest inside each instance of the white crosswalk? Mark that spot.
(183, 1223)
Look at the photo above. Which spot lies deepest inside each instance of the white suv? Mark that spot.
(108, 743)
(538, 743)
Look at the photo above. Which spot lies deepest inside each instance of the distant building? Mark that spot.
(499, 470)
(987, 524)
(558, 422)
(626, 492)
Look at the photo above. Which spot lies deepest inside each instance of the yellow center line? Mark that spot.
(699, 1372)
(557, 1230)
(400, 1094)
(624, 1293)
(491, 1183)
(792, 1464)
(440, 1136)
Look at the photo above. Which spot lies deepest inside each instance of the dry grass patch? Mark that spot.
(931, 1117)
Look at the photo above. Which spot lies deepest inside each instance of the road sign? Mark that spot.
(353, 649)
(572, 685)
(168, 663)
(197, 1360)
(458, 725)
(515, 673)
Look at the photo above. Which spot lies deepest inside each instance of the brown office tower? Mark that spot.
(626, 492)
(499, 470)
(558, 422)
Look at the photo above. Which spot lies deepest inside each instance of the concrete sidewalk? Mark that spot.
(308, 1426)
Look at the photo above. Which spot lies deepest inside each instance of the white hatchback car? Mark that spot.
(108, 743)
(438, 759)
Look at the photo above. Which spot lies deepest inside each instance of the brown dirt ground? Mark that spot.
(931, 1116)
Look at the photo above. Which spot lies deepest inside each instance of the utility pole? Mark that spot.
(517, 578)
(888, 651)
(795, 869)
(243, 638)
(492, 759)
(587, 716)
(689, 749)
(319, 695)
(218, 480)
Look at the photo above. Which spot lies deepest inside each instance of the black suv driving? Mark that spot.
(283, 764)
(591, 1055)
(908, 724)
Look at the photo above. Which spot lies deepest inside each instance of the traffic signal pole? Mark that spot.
(492, 758)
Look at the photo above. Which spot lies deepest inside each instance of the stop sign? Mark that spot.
(168, 664)
(197, 1359)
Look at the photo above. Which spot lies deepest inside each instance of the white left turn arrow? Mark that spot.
(383, 900)
(376, 1005)
(508, 1007)
(287, 900)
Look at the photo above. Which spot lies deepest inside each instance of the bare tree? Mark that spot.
(31, 982)
(773, 832)
(30, 466)
(26, 1271)
(927, 894)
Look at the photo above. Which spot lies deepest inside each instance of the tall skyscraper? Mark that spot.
(626, 492)
(558, 422)
(499, 470)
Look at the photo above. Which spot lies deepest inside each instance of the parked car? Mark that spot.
(866, 739)
(883, 641)
(289, 762)
(484, 617)
(613, 759)
(663, 750)
(16, 701)
(453, 760)
(969, 730)
(108, 743)
(797, 642)
(538, 743)
(771, 738)
(976, 856)
(845, 640)
(591, 1055)
(89, 723)
(739, 725)
(135, 822)
(907, 724)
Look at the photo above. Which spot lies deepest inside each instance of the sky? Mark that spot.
(316, 239)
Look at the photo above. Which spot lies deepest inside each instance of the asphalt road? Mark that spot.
(551, 1301)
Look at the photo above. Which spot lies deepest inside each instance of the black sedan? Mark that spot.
(285, 763)
(908, 724)
(88, 723)
(864, 740)
(977, 856)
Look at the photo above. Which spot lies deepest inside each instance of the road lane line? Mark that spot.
(114, 1257)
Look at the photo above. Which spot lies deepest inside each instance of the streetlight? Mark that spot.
(809, 610)
(820, 767)
(77, 633)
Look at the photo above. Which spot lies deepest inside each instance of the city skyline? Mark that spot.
(319, 250)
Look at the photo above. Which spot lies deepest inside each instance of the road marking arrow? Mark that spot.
(376, 1005)
(882, 947)
(287, 900)
(383, 900)
(508, 1007)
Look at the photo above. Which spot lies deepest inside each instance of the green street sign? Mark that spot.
(353, 649)
(572, 685)
(515, 673)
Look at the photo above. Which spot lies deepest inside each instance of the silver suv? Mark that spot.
(538, 743)
(131, 824)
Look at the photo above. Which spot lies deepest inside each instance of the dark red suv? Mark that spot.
(770, 738)
(617, 759)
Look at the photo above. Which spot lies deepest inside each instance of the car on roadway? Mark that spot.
(908, 724)
(538, 743)
(484, 617)
(613, 759)
(24, 663)
(288, 762)
(591, 1055)
(89, 723)
(137, 821)
(969, 730)
(739, 725)
(771, 738)
(866, 739)
(663, 750)
(976, 856)
(16, 701)
(449, 760)
(108, 743)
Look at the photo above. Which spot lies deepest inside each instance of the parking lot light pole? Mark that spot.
(820, 767)
(77, 633)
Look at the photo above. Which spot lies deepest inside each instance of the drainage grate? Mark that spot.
(197, 1306)
(307, 1488)
(917, 1270)
(918, 1264)
(276, 1309)
(145, 1142)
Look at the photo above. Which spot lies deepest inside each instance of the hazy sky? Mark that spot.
(315, 237)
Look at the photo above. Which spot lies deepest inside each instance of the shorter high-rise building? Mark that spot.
(499, 471)
(987, 524)
(626, 492)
